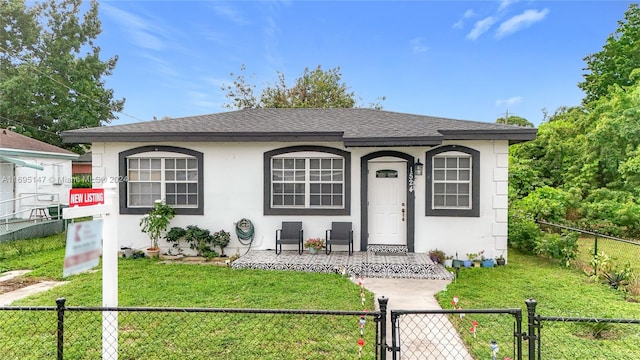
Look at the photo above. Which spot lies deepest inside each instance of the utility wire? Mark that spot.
(23, 62)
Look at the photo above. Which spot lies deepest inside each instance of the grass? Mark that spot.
(163, 335)
(559, 292)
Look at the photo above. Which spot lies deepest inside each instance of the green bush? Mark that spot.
(549, 204)
(523, 232)
(561, 247)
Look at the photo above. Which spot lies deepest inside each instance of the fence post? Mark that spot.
(531, 320)
(60, 310)
(519, 334)
(382, 302)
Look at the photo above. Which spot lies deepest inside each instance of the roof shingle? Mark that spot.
(365, 127)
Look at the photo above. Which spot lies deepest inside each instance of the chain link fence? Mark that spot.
(192, 333)
(607, 258)
(185, 333)
(456, 334)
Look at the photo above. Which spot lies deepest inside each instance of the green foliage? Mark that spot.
(618, 58)
(173, 236)
(561, 247)
(155, 223)
(619, 277)
(81, 181)
(514, 120)
(199, 240)
(523, 231)
(221, 238)
(601, 263)
(549, 204)
(52, 74)
(598, 329)
(315, 88)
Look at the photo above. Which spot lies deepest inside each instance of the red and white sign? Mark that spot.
(84, 245)
(86, 197)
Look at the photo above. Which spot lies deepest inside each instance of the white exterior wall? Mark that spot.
(41, 188)
(233, 185)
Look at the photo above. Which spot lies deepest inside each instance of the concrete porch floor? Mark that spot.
(359, 264)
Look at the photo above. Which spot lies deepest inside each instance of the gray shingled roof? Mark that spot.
(354, 127)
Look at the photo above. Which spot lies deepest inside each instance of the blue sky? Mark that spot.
(470, 60)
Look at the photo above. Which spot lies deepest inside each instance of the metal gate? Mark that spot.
(457, 334)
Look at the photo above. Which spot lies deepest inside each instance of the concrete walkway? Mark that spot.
(7, 299)
(420, 336)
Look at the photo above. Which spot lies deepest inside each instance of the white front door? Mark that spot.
(387, 203)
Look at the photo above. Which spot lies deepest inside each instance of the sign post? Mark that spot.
(103, 202)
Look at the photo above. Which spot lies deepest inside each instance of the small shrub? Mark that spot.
(598, 329)
(221, 239)
(173, 236)
(437, 256)
(600, 264)
(523, 232)
(619, 277)
(561, 247)
(198, 239)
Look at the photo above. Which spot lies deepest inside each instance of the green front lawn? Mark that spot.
(559, 292)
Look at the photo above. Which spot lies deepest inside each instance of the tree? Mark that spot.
(514, 120)
(316, 88)
(51, 75)
(618, 57)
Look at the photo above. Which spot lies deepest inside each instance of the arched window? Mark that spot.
(166, 173)
(307, 180)
(453, 181)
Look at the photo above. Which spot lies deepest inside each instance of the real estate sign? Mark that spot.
(86, 197)
(84, 245)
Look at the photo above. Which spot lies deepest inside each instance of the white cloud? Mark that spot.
(417, 46)
(505, 4)
(460, 23)
(230, 13)
(144, 33)
(481, 27)
(522, 21)
(509, 102)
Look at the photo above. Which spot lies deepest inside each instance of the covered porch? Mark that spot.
(371, 263)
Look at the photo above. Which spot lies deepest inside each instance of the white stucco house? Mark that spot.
(418, 181)
(33, 174)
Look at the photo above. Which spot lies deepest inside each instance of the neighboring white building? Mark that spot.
(315, 166)
(33, 174)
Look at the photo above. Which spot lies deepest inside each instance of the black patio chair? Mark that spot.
(339, 234)
(291, 233)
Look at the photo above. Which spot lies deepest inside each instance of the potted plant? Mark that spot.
(155, 223)
(437, 256)
(314, 245)
(487, 263)
(221, 238)
(470, 259)
(500, 261)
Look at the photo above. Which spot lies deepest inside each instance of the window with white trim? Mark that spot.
(306, 180)
(316, 182)
(453, 181)
(164, 173)
(173, 179)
